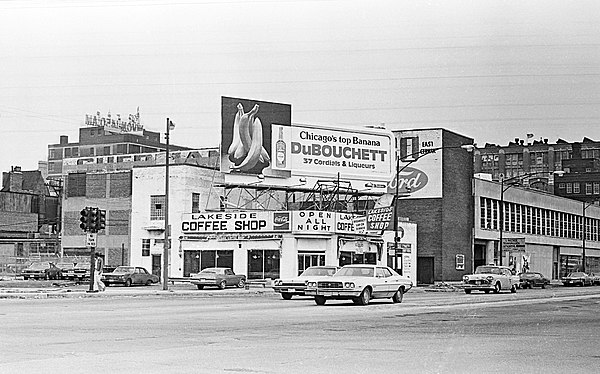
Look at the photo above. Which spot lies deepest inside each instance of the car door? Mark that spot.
(381, 286)
(230, 277)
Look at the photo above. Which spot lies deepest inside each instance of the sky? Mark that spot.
(488, 69)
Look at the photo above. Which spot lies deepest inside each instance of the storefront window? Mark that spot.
(569, 264)
(306, 260)
(347, 258)
(263, 264)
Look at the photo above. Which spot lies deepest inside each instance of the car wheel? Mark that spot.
(467, 292)
(241, 283)
(286, 296)
(200, 287)
(128, 283)
(320, 300)
(486, 291)
(148, 282)
(365, 297)
(543, 285)
(497, 287)
(222, 285)
(106, 284)
(513, 289)
(398, 296)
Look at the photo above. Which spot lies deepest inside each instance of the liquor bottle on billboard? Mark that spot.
(280, 150)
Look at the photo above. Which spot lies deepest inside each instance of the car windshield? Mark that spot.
(39, 265)
(310, 272)
(209, 271)
(578, 274)
(355, 272)
(488, 270)
(124, 269)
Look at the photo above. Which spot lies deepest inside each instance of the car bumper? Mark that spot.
(333, 293)
(290, 290)
(478, 287)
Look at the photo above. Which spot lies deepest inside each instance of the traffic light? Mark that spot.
(85, 219)
(101, 224)
(93, 220)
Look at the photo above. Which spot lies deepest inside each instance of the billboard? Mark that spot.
(420, 165)
(318, 151)
(246, 135)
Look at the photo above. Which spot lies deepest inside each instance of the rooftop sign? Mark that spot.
(118, 125)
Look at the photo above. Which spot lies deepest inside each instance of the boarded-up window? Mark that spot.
(71, 223)
(117, 222)
(96, 185)
(120, 184)
(76, 184)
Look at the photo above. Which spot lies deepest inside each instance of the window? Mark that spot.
(576, 188)
(569, 188)
(306, 260)
(588, 188)
(561, 186)
(157, 204)
(195, 202)
(145, 247)
(596, 188)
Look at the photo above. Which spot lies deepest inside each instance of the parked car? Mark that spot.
(217, 277)
(533, 279)
(79, 272)
(128, 276)
(577, 278)
(296, 286)
(595, 279)
(41, 270)
(65, 267)
(491, 278)
(360, 283)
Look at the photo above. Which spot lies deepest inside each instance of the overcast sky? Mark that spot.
(491, 70)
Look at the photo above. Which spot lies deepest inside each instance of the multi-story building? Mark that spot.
(538, 158)
(104, 144)
(29, 218)
(581, 178)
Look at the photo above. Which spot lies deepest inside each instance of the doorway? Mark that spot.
(156, 265)
(425, 270)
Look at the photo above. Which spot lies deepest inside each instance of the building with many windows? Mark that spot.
(538, 158)
(541, 232)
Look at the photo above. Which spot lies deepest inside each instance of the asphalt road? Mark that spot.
(533, 331)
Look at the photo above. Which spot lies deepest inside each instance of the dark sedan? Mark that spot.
(217, 277)
(577, 278)
(128, 276)
(533, 279)
(41, 270)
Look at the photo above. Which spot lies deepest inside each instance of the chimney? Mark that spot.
(64, 139)
(13, 181)
(43, 168)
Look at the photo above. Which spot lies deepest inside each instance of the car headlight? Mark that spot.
(465, 278)
(312, 284)
(489, 278)
(349, 285)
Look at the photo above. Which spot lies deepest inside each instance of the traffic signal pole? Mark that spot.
(92, 221)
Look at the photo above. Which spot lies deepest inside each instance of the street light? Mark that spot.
(467, 147)
(166, 246)
(504, 189)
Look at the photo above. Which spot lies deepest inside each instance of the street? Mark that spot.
(550, 331)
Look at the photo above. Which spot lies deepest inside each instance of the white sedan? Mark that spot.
(360, 283)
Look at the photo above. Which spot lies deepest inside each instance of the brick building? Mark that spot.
(440, 200)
